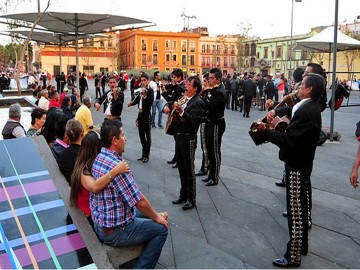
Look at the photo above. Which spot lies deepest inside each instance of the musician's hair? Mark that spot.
(178, 73)
(206, 76)
(316, 68)
(297, 74)
(109, 129)
(317, 82)
(196, 83)
(217, 72)
(112, 77)
(144, 75)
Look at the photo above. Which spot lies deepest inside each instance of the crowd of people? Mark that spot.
(101, 182)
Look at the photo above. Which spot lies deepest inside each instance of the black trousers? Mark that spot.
(97, 92)
(185, 157)
(234, 101)
(214, 133)
(144, 133)
(228, 98)
(298, 204)
(205, 160)
(247, 105)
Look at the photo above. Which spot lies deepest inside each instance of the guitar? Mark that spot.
(174, 118)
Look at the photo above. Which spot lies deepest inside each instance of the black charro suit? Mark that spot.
(185, 145)
(215, 102)
(144, 120)
(297, 149)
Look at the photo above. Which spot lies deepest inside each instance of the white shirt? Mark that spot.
(297, 106)
(44, 103)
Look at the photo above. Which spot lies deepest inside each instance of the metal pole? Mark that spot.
(334, 72)
(77, 50)
(187, 48)
(291, 37)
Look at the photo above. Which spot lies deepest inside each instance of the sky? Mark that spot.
(267, 18)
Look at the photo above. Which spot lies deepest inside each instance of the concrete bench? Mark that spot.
(104, 257)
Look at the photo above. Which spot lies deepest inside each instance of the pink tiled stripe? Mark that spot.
(34, 188)
(61, 245)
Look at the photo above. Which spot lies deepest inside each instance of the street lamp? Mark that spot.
(183, 15)
(291, 35)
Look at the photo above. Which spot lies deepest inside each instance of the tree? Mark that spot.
(245, 28)
(19, 57)
(350, 55)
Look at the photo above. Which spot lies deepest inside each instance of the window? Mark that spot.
(167, 45)
(192, 60)
(208, 48)
(167, 57)
(174, 58)
(183, 46)
(102, 44)
(183, 60)
(155, 45)
(225, 61)
(252, 62)
(174, 46)
(192, 46)
(155, 59)
(278, 52)
(143, 45)
(203, 48)
(253, 49)
(232, 49)
(104, 69)
(266, 51)
(89, 69)
(247, 50)
(143, 58)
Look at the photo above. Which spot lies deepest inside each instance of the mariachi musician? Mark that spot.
(172, 92)
(215, 103)
(144, 100)
(205, 160)
(190, 109)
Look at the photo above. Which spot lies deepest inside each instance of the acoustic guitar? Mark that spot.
(174, 118)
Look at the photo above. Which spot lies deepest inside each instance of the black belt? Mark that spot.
(215, 120)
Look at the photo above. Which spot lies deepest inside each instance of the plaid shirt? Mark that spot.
(114, 205)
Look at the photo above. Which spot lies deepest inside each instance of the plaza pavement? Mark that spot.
(239, 223)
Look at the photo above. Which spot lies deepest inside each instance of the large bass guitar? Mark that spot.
(278, 123)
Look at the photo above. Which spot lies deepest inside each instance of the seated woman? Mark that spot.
(38, 117)
(81, 180)
(65, 106)
(75, 133)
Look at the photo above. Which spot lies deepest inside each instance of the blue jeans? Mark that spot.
(140, 230)
(156, 104)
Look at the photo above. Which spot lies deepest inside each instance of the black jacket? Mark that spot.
(116, 105)
(146, 102)
(298, 142)
(174, 92)
(215, 103)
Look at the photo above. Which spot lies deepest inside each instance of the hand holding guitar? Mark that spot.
(270, 116)
(166, 110)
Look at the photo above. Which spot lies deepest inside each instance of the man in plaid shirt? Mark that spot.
(122, 215)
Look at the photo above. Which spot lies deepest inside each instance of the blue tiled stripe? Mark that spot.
(26, 210)
(37, 236)
(24, 176)
(7, 247)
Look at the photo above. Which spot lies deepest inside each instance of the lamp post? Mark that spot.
(183, 15)
(291, 34)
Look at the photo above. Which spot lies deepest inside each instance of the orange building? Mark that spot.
(164, 51)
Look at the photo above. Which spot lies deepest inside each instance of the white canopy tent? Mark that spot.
(59, 19)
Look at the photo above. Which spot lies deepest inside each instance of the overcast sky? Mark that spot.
(269, 18)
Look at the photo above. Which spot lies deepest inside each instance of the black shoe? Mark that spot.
(140, 158)
(173, 161)
(244, 115)
(284, 263)
(179, 201)
(247, 116)
(211, 183)
(175, 165)
(145, 160)
(153, 126)
(285, 214)
(200, 173)
(281, 184)
(188, 205)
(207, 179)
(304, 251)
(160, 126)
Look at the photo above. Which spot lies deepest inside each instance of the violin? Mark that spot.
(209, 88)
